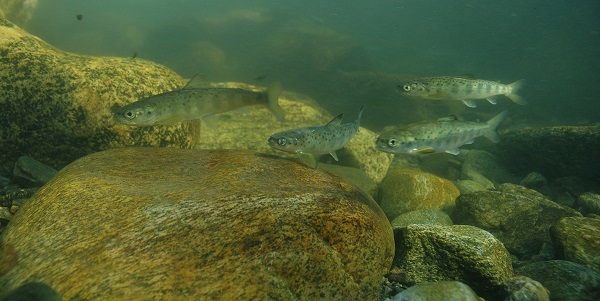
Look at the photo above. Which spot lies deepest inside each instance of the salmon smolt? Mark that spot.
(465, 89)
(190, 103)
(443, 135)
(309, 142)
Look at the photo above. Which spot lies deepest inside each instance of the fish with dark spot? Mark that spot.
(309, 142)
(464, 88)
(443, 135)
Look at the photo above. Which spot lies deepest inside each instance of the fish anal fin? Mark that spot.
(336, 121)
(308, 159)
(469, 103)
(334, 155)
(454, 151)
(491, 100)
(492, 136)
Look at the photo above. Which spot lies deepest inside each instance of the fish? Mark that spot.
(444, 135)
(464, 88)
(196, 102)
(309, 142)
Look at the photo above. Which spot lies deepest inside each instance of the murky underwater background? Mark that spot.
(348, 53)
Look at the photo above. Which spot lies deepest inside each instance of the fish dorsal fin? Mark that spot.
(466, 76)
(336, 121)
(197, 82)
(449, 118)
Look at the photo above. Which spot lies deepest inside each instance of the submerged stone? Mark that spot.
(137, 223)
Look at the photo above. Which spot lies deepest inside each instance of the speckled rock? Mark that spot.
(425, 216)
(565, 280)
(521, 288)
(57, 106)
(464, 253)
(468, 186)
(441, 290)
(577, 239)
(553, 151)
(184, 224)
(517, 216)
(589, 203)
(407, 189)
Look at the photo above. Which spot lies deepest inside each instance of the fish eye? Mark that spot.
(282, 141)
(406, 88)
(392, 142)
(129, 114)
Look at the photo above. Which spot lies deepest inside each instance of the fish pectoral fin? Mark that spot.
(470, 142)
(469, 103)
(491, 100)
(242, 110)
(336, 121)
(210, 120)
(334, 155)
(454, 151)
(425, 150)
(308, 159)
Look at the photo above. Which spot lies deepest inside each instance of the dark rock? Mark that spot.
(521, 288)
(553, 151)
(439, 253)
(33, 291)
(577, 239)
(30, 172)
(136, 223)
(517, 216)
(565, 280)
(589, 203)
(534, 180)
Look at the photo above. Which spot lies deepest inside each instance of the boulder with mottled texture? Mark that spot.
(577, 239)
(186, 224)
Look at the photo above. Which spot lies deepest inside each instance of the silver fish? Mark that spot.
(462, 88)
(443, 135)
(191, 103)
(314, 141)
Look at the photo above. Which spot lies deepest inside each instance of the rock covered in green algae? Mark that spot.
(553, 151)
(194, 224)
(565, 280)
(440, 290)
(425, 216)
(577, 239)
(57, 106)
(407, 189)
(464, 253)
(517, 216)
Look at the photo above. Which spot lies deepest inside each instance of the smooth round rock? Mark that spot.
(181, 224)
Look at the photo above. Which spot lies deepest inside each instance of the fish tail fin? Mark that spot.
(513, 90)
(273, 93)
(493, 124)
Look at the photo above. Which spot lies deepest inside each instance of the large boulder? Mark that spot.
(517, 216)
(192, 224)
(553, 151)
(406, 189)
(468, 254)
(576, 239)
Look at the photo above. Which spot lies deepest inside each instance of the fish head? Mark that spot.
(396, 142)
(412, 88)
(288, 141)
(134, 114)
